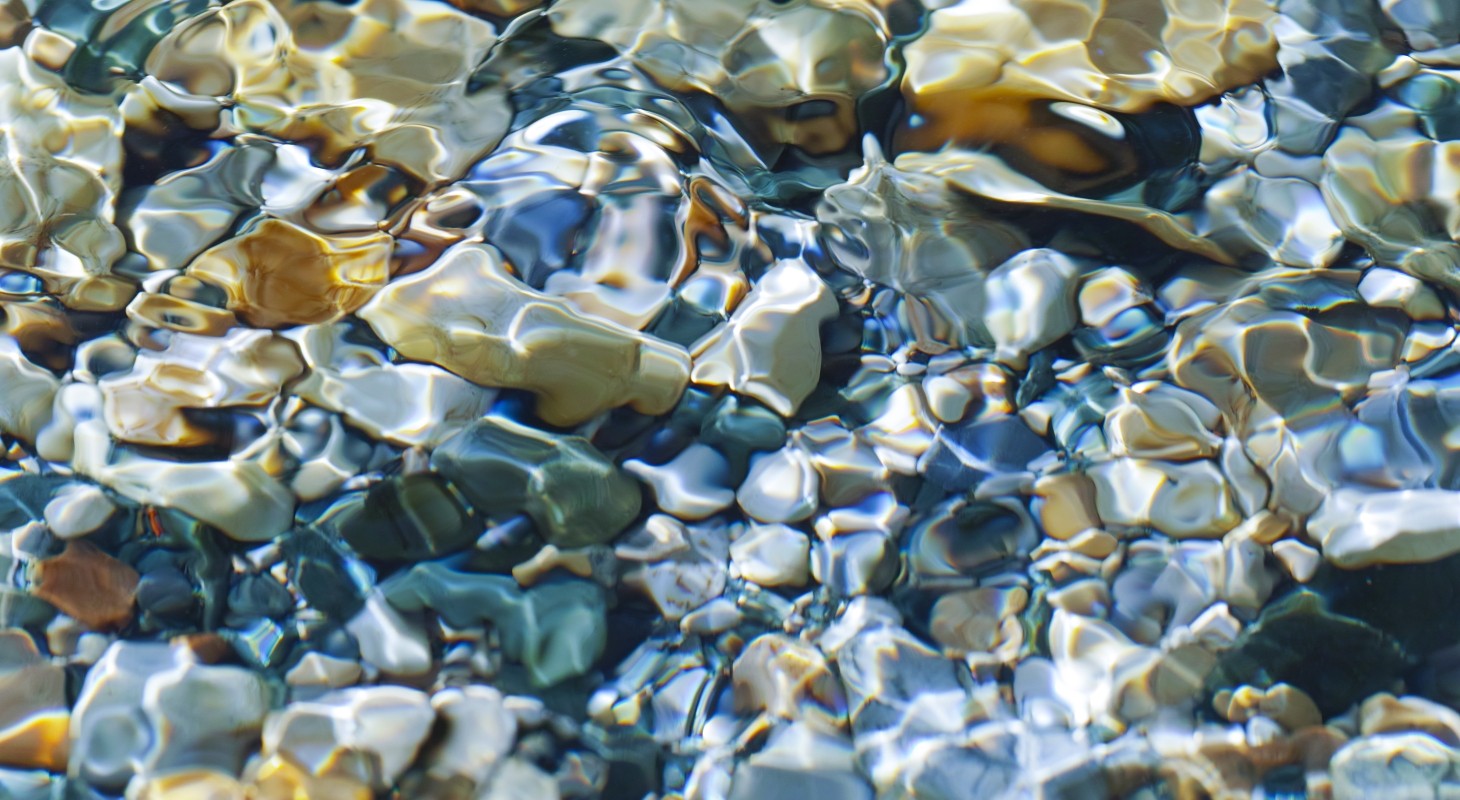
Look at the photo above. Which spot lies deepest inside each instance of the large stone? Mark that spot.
(468, 314)
(147, 708)
(770, 348)
(575, 495)
(367, 734)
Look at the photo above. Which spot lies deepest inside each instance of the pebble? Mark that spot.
(800, 761)
(772, 555)
(556, 630)
(88, 585)
(368, 735)
(770, 348)
(193, 784)
(34, 717)
(412, 405)
(574, 495)
(692, 486)
(480, 733)
(497, 331)
(788, 679)
(518, 779)
(319, 670)
(278, 778)
(1356, 528)
(1300, 560)
(78, 510)
(687, 578)
(1030, 303)
(1393, 765)
(409, 518)
(147, 708)
(781, 487)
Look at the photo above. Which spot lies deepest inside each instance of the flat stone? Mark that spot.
(468, 314)
(147, 708)
(389, 641)
(1355, 528)
(88, 585)
(692, 486)
(782, 487)
(410, 518)
(479, 734)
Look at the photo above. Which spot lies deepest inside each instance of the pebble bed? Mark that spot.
(729, 399)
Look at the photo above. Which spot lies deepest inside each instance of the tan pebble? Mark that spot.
(1088, 598)
(1065, 566)
(49, 49)
(973, 621)
(41, 741)
(947, 398)
(1263, 527)
(997, 55)
(1317, 746)
(146, 405)
(579, 562)
(280, 275)
(1067, 504)
(1385, 713)
(1158, 420)
(279, 779)
(1290, 707)
(1093, 543)
(788, 679)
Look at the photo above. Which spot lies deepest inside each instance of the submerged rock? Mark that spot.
(574, 494)
(468, 314)
(1298, 631)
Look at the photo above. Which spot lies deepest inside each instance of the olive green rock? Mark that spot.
(406, 518)
(572, 492)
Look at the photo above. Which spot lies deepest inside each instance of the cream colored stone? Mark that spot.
(781, 487)
(1182, 500)
(467, 313)
(770, 348)
(278, 274)
(1356, 528)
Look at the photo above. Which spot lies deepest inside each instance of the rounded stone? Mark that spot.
(574, 494)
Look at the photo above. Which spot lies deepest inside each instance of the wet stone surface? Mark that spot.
(736, 400)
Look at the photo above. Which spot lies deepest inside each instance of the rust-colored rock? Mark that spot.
(87, 585)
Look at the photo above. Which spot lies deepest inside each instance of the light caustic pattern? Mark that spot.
(729, 400)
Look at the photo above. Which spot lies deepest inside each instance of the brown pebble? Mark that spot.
(210, 648)
(87, 585)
